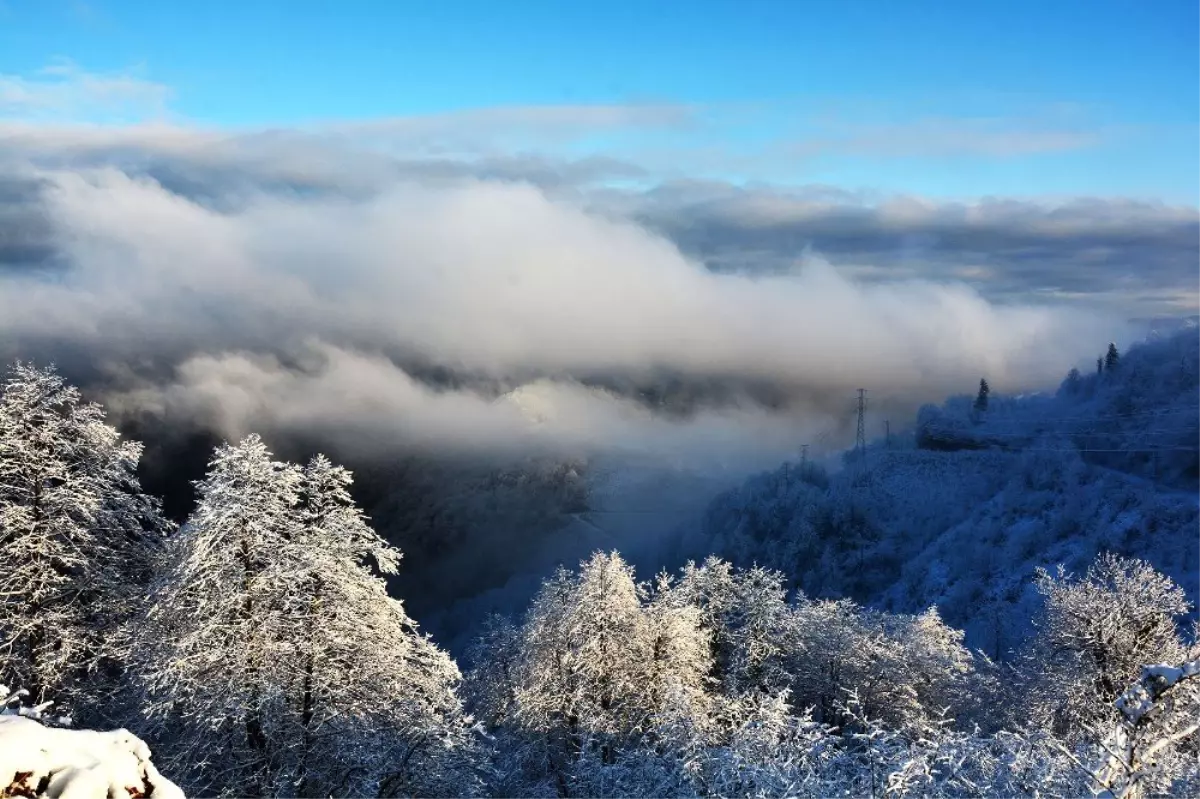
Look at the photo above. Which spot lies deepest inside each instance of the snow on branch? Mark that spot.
(1141, 697)
(1158, 711)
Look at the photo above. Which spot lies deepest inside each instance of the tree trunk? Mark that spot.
(256, 738)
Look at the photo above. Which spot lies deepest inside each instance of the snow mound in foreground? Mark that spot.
(36, 760)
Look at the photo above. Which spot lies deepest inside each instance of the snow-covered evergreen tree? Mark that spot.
(1112, 358)
(213, 649)
(586, 644)
(274, 658)
(680, 669)
(367, 676)
(981, 399)
(76, 536)
(1071, 384)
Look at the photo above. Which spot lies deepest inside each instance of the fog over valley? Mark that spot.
(474, 322)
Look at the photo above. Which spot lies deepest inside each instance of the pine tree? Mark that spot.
(1112, 358)
(76, 536)
(272, 649)
(981, 400)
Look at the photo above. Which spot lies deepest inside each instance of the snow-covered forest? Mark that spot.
(960, 510)
(998, 602)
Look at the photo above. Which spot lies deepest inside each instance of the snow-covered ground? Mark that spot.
(37, 760)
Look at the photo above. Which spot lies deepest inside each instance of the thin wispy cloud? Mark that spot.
(63, 92)
(659, 140)
(949, 138)
(996, 128)
(544, 120)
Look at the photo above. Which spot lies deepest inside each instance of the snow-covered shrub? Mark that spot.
(16, 703)
(904, 670)
(1094, 635)
(1153, 746)
(904, 667)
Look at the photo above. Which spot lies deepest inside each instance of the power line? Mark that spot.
(1018, 450)
(1093, 449)
(984, 434)
(1004, 425)
(1002, 418)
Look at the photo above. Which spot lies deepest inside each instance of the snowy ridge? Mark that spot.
(961, 514)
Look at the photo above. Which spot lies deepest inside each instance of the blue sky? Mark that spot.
(1009, 98)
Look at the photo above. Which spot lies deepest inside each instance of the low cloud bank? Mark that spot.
(467, 314)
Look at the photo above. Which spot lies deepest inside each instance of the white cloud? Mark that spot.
(365, 403)
(496, 280)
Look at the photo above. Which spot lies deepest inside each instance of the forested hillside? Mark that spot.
(900, 626)
(963, 509)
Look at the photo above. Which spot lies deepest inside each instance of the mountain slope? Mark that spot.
(963, 513)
